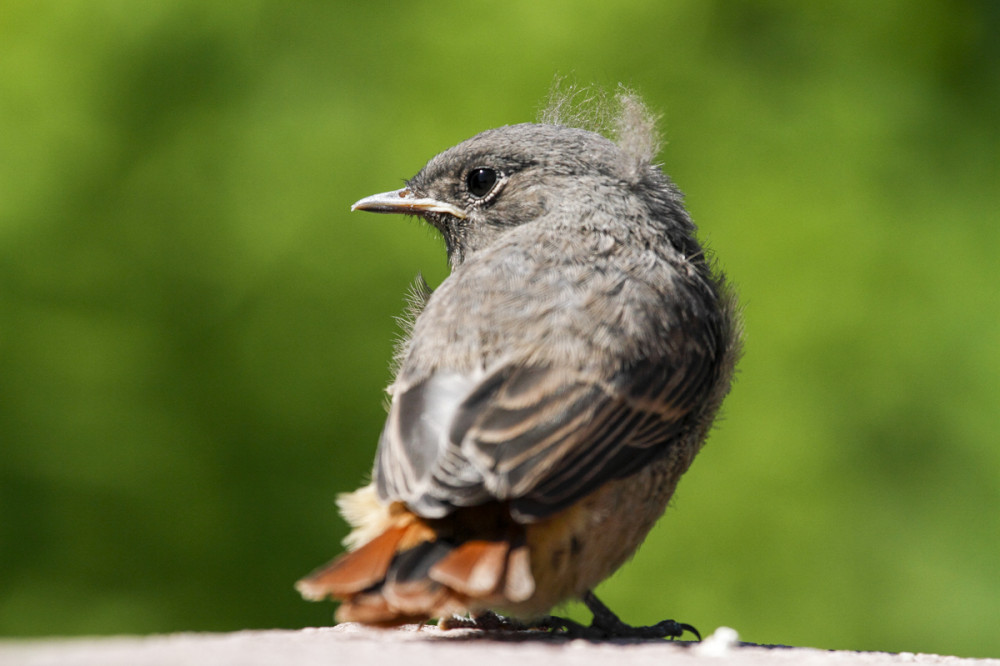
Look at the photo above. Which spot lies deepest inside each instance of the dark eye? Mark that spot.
(480, 181)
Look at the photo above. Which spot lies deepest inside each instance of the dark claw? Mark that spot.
(673, 629)
(688, 628)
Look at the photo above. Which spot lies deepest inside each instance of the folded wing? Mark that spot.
(537, 437)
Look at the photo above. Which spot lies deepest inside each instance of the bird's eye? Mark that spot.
(480, 181)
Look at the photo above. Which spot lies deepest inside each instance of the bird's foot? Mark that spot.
(484, 621)
(607, 625)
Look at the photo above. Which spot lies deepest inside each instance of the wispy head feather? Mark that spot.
(622, 117)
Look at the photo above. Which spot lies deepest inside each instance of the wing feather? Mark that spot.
(538, 437)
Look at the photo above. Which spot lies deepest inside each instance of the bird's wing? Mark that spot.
(538, 437)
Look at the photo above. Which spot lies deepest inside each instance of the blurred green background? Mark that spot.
(195, 333)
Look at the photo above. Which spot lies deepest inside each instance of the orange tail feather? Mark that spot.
(354, 571)
(410, 574)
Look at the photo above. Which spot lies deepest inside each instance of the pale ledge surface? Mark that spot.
(352, 645)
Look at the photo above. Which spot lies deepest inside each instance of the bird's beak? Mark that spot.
(406, 202)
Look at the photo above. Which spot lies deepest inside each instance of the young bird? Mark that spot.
(552, 390)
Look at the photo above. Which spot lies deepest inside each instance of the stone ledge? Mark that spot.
(355, 645)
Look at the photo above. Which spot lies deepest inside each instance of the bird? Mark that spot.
(549, 393)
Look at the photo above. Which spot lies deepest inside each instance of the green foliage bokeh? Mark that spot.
(195, 333)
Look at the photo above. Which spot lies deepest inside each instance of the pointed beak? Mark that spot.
(406, 202)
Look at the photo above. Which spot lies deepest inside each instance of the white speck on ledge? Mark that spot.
(719, 643)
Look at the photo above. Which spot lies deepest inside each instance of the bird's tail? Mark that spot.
(404, 568)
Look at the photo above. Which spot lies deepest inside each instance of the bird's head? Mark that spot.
(509, 176)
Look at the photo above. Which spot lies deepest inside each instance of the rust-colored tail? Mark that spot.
(412, 572)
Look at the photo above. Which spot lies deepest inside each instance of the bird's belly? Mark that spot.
(574, 550)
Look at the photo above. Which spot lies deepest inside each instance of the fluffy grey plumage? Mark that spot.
(550, 392)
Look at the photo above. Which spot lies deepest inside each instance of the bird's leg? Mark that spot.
(608, 625)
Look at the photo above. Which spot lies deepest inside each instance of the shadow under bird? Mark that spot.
(550, 392)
